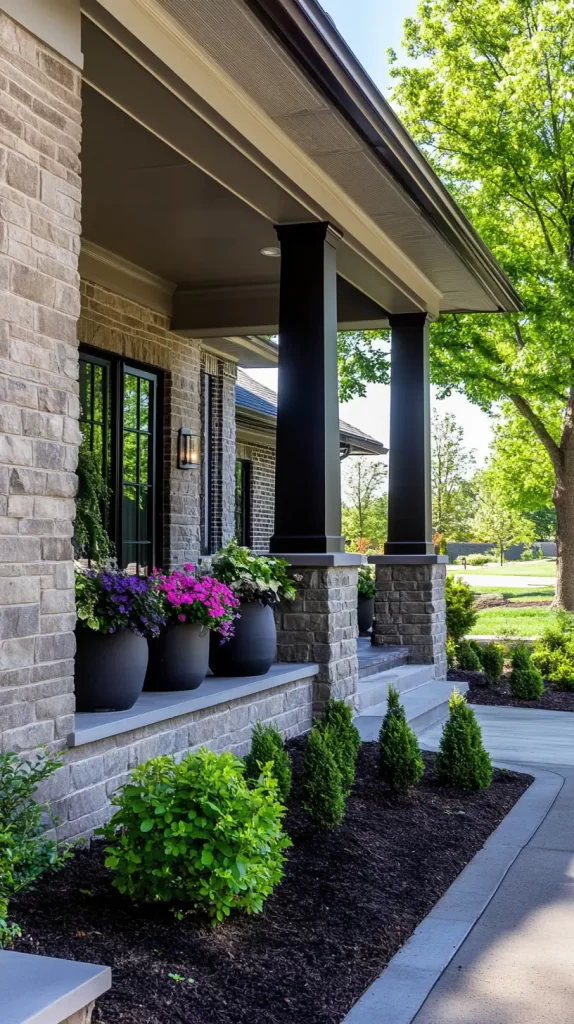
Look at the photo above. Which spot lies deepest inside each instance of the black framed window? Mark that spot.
(119, 420)
(207, 483)
(243, 502)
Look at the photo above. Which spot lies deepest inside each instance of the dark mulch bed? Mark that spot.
(349, 900)
(487, 601)
(480, 692)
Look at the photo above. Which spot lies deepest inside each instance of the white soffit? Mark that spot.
(232, 36)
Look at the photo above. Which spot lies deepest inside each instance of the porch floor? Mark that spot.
(155, 707)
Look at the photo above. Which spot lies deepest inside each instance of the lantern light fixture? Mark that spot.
(271, 250)
(188, 449)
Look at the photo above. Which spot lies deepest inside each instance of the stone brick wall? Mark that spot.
(262, 461)
(410, 610)
(40, 135)
(120, 326)
(80, 792)
(320, 625)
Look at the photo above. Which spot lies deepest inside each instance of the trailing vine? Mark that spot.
(90, 538)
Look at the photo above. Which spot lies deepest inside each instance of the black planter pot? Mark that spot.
(365, 613)
(110, 669)
(251, 651)
(178, 658)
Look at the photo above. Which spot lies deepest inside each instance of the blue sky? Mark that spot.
(370, 27)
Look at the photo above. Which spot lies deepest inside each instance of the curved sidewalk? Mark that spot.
(515, 963)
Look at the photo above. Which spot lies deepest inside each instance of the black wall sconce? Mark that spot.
(188, 449)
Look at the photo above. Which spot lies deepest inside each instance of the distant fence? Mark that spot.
(457, 549)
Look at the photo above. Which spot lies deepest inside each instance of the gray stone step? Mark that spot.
(424, 706)
(373, 689)
(375, 658)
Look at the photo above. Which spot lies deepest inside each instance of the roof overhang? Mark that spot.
(227, 117)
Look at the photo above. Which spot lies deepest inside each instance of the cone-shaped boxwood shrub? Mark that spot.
(196, 836)
(338, 718)
(462, 760)
(267, 749)
(492, 661)
(322, 792)
(467, 657)
(526, 681)
(460, 608)
(400, 761)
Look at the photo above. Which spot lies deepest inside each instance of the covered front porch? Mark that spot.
(219, 207)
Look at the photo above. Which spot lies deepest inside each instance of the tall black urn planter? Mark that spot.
(110, 669)
(251, 651)
(178, 658)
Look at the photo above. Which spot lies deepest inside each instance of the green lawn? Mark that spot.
(512, 622)
(541, 593)
(537, 567)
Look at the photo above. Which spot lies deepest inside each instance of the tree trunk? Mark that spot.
(563, 499)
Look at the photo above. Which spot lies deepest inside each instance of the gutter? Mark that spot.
(309, 34)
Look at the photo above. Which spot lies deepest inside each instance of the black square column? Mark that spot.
(307, 468)
(410, 495)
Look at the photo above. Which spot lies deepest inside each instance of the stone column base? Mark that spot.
(410, 607)
(321, 624)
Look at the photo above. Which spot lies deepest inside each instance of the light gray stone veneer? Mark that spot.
(320, 625)
(410, 610)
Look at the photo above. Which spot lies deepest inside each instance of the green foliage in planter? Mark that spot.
(268, 754)
(338, 719)
(460, 608)
(25, 851)
(462, 760)
(196, 836)
(467, 658)
(526, 681)
(90, 538)
(400, 762)
(450, 652)
(553, 654)
(251, 577)
(492, 661)
(366, 581)
(322, 790)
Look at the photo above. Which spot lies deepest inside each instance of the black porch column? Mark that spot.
(410, 504)
(307, 468)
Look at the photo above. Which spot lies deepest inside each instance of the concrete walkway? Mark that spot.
(517, 964)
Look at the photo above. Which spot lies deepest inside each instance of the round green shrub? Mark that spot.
(400, 762)
(338, 718)
(492, 661)
(526, 681)
(460, 608)
(196, 836)
(462, 760)
(553, 654)
(467, 658)
(450, 652)
(268, 754)
(322, 791)
(561, 673)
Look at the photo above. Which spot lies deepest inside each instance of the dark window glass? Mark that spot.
(207, 483)
(243, 501)
(118, 418)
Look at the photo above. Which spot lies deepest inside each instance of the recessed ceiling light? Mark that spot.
(270, 250)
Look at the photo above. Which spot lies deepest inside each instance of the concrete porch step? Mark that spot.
(373, 689)
(424, 706)
(374, 658)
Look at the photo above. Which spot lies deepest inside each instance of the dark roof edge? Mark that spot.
(364, 443)
(308, 32)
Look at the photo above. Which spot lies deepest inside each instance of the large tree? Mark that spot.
(490, 101)
(452, 492)
(524, 470)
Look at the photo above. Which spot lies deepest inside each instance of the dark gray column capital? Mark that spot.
(307, 464)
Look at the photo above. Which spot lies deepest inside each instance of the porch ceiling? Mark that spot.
(276, 80)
